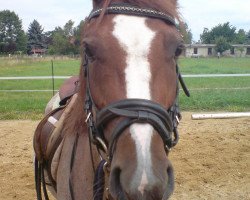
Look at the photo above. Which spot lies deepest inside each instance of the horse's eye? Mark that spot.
(179, 50)
(88, 52)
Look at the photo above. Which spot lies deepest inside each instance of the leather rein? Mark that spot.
(164, 121)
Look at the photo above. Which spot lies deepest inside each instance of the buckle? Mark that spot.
(101, 143)
(88, 117)
(177, 119)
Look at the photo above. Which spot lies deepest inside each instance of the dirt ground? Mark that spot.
(211, 161)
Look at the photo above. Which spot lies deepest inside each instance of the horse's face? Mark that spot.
(135, 57)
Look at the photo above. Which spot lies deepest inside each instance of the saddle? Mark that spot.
(68, 89)
(49, 135)
(54, 119)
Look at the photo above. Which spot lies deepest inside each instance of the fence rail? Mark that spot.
(214, 75)
(190, 89)
(185, 76)
(65, 77)
(33, 77)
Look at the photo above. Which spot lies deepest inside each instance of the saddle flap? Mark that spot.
(48, 134)
(44, 131)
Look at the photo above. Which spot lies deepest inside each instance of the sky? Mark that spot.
(198, 14)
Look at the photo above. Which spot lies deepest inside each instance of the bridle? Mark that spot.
(164, 121)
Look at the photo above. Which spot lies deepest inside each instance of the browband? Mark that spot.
(127, 9)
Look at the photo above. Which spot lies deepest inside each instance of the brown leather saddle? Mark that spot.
(48, 134)
(50, 122)
(68, 89)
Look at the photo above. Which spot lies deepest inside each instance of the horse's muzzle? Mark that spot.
(122, 187)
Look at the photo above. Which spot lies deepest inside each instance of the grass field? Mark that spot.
(214, 65)
(38, 67)
(210, 94)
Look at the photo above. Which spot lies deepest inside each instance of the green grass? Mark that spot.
(29, 84)
(217, 100)
(38, 67)
(214, 65)
(214, 98)
(28, 105)
(218, 82)
(23, 105)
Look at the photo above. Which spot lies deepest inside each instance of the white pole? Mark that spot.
(220, 115)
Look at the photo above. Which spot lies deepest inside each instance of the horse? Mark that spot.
(111, 137)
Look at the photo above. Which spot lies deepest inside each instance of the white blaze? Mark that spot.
(135, 38)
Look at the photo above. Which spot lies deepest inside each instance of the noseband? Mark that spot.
(130, 111)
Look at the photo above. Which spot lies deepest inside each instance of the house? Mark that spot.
(37, 51)
(208, 50)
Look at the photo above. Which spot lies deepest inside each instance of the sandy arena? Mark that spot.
(211, 161)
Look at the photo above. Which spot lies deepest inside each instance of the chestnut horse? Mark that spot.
(128, 97)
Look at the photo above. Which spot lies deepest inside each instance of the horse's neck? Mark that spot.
(81, 174)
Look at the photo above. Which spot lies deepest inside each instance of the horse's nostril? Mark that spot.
(115, 183)
(170, 184)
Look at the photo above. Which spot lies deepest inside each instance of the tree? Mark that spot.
(35, 37)
(241, 37)
(69, 29)
(186, 33)
(221, 44)
(206, 37)
(59, 42)
(77, 33)
(22, 42)
(222, 30)
(248, 37)
(12, 36)
(48, 38)
(65, 40)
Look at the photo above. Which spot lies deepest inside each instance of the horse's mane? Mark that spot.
(74, 123)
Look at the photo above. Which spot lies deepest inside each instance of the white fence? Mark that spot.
(185, 76)
(65, 77)
(33, 77)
